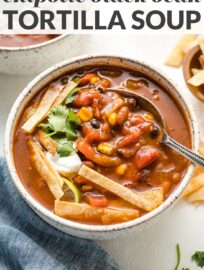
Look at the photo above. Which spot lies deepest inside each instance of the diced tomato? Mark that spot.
(145, 126)
(132, 173)
(97, 107)
(90, 134)
(105, 132)
(96, 200)
(145, 156)
(136, 120)
(86, 79)
(133, 137)
(86, 96)
(93, 136)
(88, 151)
(85, 149)
(105, 83)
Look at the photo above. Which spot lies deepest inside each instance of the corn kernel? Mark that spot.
(121, 169)
(112, 119)
(85, 114)
(94, 79)
(148, 117)
(106, 148)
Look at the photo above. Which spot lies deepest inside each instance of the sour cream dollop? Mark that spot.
(68, 164)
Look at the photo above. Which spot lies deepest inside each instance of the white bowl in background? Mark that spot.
(29, 60)
(71, 227)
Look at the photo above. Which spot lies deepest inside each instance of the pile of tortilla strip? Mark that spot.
(145, 201)
(194, 192)
(178, 53)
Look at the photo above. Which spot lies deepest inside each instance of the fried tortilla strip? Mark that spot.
(50, 144)
(65, 92)
(137, 199)
(201, 43)
(196, 196)
(85, 212)
(46, 170)
(155, 195)
(43, 108)
(197, 79)
(177, 54)
(195, 184)
(175, 57)
(201, 60)
(195, 70)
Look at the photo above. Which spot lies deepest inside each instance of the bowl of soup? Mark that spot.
(30, 54)
(88, 160)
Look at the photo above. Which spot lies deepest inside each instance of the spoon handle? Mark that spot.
(189, 154)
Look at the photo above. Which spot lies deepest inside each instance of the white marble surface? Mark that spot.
(153, 249)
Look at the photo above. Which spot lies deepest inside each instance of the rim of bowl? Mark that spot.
(35, 46)
(87, 227)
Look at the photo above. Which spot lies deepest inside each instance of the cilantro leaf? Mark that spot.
(70, 98)
(57, 118)
(65, 148)
(46, 127)
(198, 257)
(61, 125)
(71, 135)
(73, 117)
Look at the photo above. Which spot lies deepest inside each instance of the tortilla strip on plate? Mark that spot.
(177, 54)
(196, 196)
(50, 144)
(138, 199)
(46, 170)
(197, 79)
(65, 92)
(85, 212)
(196, 183)
(195, 71)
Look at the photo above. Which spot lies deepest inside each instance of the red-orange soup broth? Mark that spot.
(116, 137)
(18, 40)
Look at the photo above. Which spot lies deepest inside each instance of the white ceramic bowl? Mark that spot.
(29, 60)
(74, 228)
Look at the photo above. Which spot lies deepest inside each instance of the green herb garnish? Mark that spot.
(198, 257)
(70, 98)
(61, 126)
(73, 117)
(65, 149)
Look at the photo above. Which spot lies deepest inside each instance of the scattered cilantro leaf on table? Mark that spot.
(198, 257)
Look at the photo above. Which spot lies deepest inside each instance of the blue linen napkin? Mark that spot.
(29, 243)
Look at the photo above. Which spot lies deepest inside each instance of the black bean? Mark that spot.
(95, 123)
(64, 80)
(132, 103)
(154, 132)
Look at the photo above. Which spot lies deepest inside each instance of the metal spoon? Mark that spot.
(165, 138)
